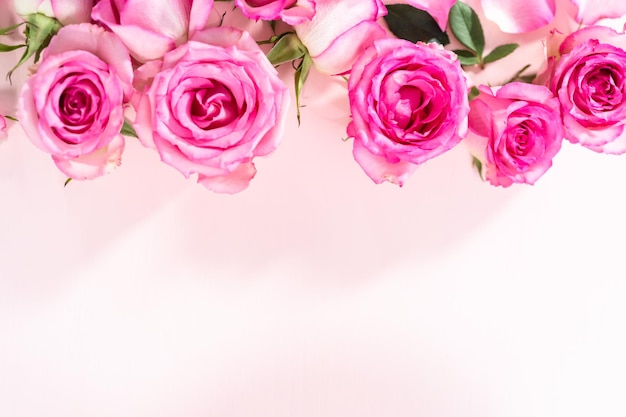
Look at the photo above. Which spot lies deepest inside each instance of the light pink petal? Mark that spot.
(379, 169)
(94, 39)
(519, 16)
(344, 51)
(200, 13)
(337, 24)
(231, 183)
(590, 11)
(95, 164)
(616, 147)
(303, 11)
(602, 34)
(72, 11)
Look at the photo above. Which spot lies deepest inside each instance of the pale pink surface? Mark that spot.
(314, 293)
(151, 28)
(67, 11)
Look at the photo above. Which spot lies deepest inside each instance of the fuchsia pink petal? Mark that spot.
(519, 16)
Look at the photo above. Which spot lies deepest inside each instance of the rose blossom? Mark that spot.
(291, 12)
(588, 75)
(408, 103)
(513, 133)
(150, 28)
(339, 31)
(72, 107)
(214, 104)
(65, 11)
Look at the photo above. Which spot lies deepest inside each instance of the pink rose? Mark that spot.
(3, 128)
(215, 103)
(339, 31)
(408, 103)
(150, 28)
(72, 107)
(514, 133)
(291, 12)
(65, 11)
(588, 75)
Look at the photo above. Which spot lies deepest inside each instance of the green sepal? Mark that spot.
(128, 130)
(8, 48)
(478, 165)
(466, 27)
(288, 48)
(473, 93)
(413, 25)
(500, 52)
(528, 78)
(39, 31)
(301, 74)
(10, 29)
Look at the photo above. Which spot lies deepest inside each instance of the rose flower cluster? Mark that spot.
(206, 96)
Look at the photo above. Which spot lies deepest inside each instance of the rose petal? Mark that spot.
(590, 11)
(231, 183)
(519, 16)
(379, 169)
(345, 28)
(72, 11)
(101, 161)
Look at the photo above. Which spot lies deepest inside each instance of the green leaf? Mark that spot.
(527, 78)
(466, 27)
(412, 24)
(9, 29)
(288, 48)
(500, 52)
(128, 130)
(471, 60)
(302, 72)
(466, 57)
(478, 165)
(39, 31)
(7, 48)
(473, 93)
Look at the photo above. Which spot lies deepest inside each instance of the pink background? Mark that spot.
(314, 292)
